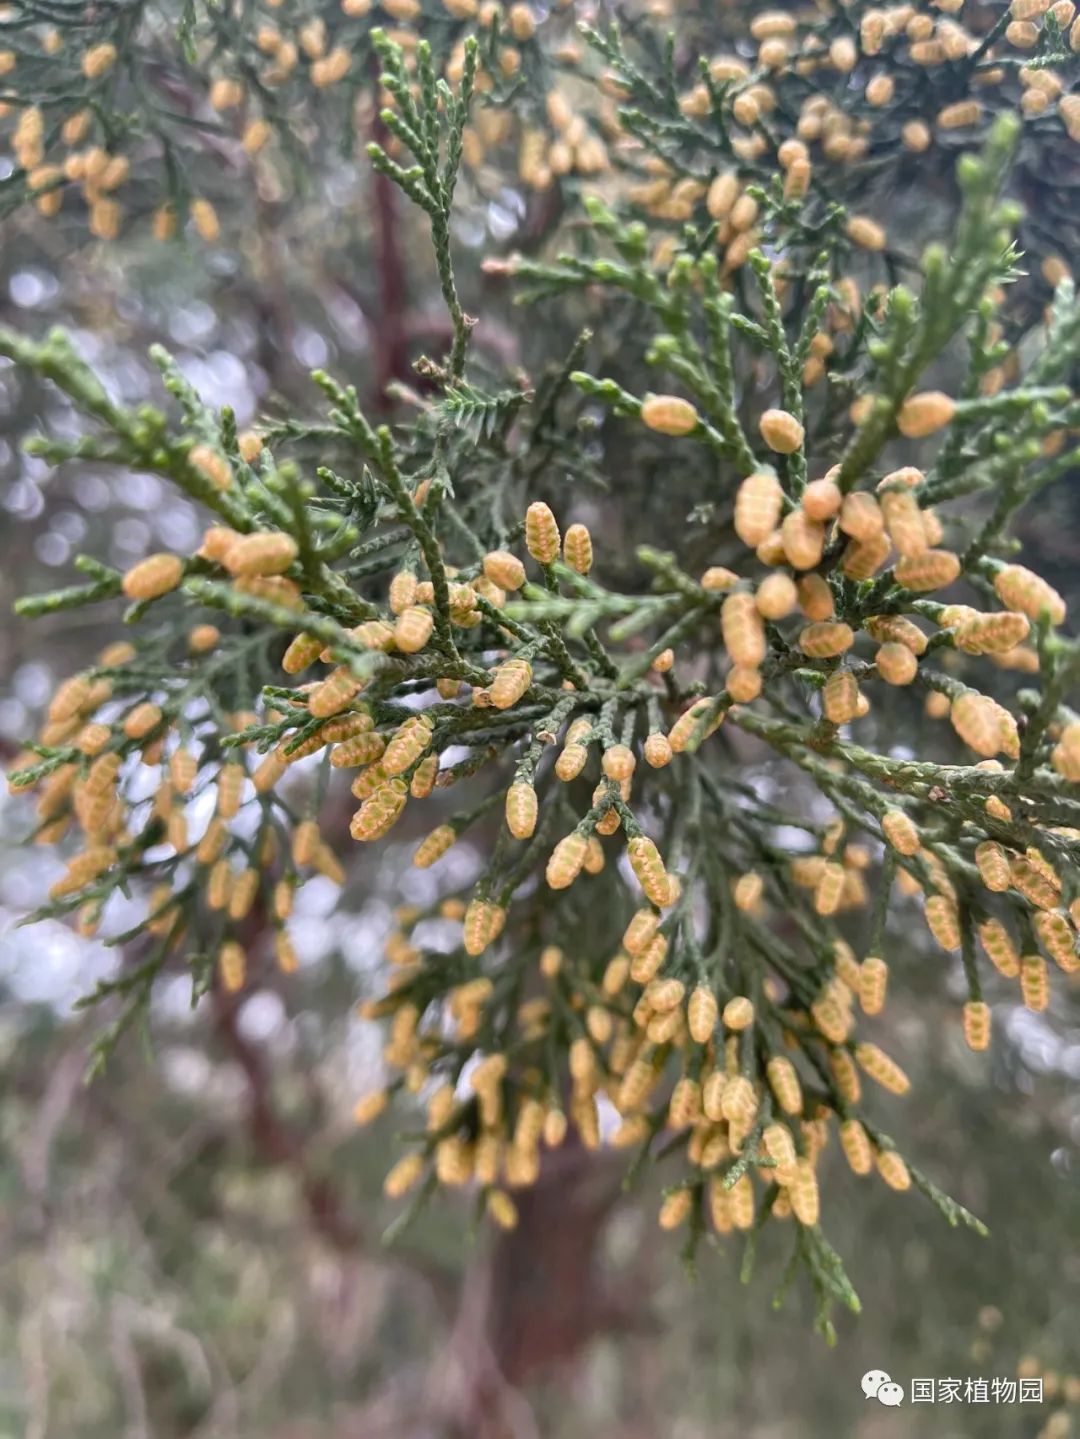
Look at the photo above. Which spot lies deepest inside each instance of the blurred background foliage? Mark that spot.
(191, 1246)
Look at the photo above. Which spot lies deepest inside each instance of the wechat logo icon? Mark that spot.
(876, 1384)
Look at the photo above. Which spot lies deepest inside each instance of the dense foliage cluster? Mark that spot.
(662, 952)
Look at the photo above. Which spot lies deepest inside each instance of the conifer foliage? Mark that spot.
(661, 952)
